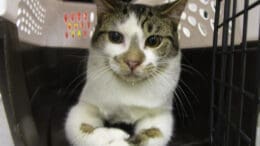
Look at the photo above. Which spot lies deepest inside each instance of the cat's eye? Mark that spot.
(153, 41)
(115, 37)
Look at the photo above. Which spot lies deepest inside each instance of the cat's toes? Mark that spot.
(146, 136)
(86, 128)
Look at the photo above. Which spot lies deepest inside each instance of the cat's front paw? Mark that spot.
(111, 134)
(88, 135)
(147, 137)
(107, 137)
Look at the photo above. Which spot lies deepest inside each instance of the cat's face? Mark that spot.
(137, 41)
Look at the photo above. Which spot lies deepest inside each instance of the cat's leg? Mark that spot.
(154, 130)
(84, 127)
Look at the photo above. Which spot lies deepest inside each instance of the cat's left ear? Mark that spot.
(173, 9)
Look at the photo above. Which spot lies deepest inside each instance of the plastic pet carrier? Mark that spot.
(43, 55)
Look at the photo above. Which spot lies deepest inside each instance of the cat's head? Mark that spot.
(137, 41)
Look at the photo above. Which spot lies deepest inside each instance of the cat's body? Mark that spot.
(133, 70)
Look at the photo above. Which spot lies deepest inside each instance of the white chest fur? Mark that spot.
(121, 100)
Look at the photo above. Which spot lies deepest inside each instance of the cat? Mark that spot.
(133, 69)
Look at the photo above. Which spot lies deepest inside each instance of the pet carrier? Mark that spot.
(43, 52)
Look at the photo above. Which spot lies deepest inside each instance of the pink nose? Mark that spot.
(133, 64)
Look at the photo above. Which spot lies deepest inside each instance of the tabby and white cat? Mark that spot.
(133, 70)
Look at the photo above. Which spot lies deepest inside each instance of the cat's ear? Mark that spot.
(106, 6)
(173, 9)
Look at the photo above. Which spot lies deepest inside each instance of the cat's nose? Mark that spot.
(132, 64)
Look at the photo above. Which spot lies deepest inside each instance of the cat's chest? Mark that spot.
(127, 114)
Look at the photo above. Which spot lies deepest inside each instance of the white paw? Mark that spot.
(111, 133)
(106, 137)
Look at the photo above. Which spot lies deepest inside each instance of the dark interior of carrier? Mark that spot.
(219, 89)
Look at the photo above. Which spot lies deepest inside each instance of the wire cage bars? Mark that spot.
(235, 78)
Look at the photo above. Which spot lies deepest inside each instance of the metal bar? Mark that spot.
(231, 71)
(250, 96)
(225, 36)
(236, 51)
(240, 13)
(257, 97)
(215, 47)
(243, 73)
(233, 125)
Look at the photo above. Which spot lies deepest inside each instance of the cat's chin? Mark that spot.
(131, 78)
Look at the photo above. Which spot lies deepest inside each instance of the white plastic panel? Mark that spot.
(8, 9)
(31, 17)
(2, 7)
(42, 22)
(5, 134)
(254, 22)
(199, 13)
(193, 7)
(73, 25)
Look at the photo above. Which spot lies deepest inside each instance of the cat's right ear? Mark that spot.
(106, 6)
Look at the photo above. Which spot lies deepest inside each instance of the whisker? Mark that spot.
(36, 91)
(163, 80)
(194, 70)
(75, 79)
(160, 75)
(77, 85)
(181, 106)
(187, 100)
(185, 95)
(185, 114)
(98, 54)
(99, 74)
(186, 85)
(192, 92)
(177, 107)
(163, 74)
(93, 76)
(95, 72)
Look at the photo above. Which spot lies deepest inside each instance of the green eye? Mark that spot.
(153, 41)
(115, 37)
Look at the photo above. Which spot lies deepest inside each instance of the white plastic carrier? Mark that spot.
(54, 23)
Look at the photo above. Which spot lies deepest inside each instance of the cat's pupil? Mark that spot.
(115, 37)
(153, 41)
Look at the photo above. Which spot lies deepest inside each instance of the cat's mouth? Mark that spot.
(131, 77)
